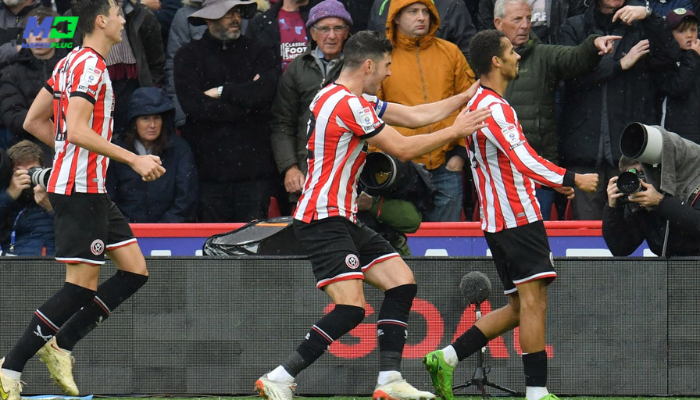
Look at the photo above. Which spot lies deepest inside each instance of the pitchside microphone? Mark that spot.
(475, 287)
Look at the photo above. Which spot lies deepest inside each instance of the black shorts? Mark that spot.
(341, 250)
(521, 255)
(86, 226)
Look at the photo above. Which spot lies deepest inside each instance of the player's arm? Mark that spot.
(426, 114)
(38, 120)
(407, 147)
(80, 134)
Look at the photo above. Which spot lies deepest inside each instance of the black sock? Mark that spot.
(110, 295)
(469, 343)
(392, 325)
(46, 321)
(535, 368)
(328, 329)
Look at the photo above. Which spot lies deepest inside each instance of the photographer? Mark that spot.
(670, 226)
(26, 216)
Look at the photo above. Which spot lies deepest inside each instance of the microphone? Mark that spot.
(475, 287)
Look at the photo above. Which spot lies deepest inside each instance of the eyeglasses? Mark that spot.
(327, 29)
(234, 12)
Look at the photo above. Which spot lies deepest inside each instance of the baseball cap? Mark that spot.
(676, 16)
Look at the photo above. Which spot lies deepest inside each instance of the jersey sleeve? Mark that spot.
(506, 133)
(87, 78)
(361, 118)
(378, 105)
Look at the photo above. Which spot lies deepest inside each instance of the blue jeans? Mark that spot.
(545, 196)
(448, 201)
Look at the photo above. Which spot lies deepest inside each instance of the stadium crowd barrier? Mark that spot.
(616, 326)
(464, 239)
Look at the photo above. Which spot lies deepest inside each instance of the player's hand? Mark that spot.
(469, 93)
(613, 192)
(455, 164)
(149, 167)
(294, 180)
(364, 202)
(42, 198)
(20, 181)
(468, 122)
(586, 182)
(566, 191)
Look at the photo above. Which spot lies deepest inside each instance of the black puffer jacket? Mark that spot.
(20, 82)
(678, 99)
(629, 95)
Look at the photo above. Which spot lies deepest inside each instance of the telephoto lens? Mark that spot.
(628, 183)
(39, 176)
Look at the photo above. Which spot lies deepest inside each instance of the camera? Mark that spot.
(629, 182)
(384, 175)
(39, 176)
(642, 142)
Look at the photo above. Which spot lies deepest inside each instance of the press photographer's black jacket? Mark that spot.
(624, 230)
(230, 136)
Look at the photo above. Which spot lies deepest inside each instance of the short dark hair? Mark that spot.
(41, 13)
(484, 46)
(626, 163)
(362, 46)
(87, 11)
(687, 23)
(25, 152)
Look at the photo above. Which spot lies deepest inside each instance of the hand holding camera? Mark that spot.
(20, 181)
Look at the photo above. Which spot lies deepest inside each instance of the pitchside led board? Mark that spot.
(205, 325)
(57, 28)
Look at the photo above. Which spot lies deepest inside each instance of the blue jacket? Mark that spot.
(33, 229)
(173, 196)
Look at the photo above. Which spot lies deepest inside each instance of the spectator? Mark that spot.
(411, 27)
(181, 33)
(359, 10)
(164, 10)
(12, 15)
(151, 130)
(137, 61)
(283, 28)
(22, 79)
(669, 222)
(533, 94)
(600, 103)
(319, 65)
(678, 84)
(26, 215)
(663, 7)
(547, 16)
(455, 23)
(226, 83)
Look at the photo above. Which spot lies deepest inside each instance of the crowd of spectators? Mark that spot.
(229, 96)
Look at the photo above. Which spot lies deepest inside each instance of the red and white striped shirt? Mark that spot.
(82, 73)
(505, 167)
(339, 126)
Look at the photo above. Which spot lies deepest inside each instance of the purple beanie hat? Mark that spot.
(328, 9)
